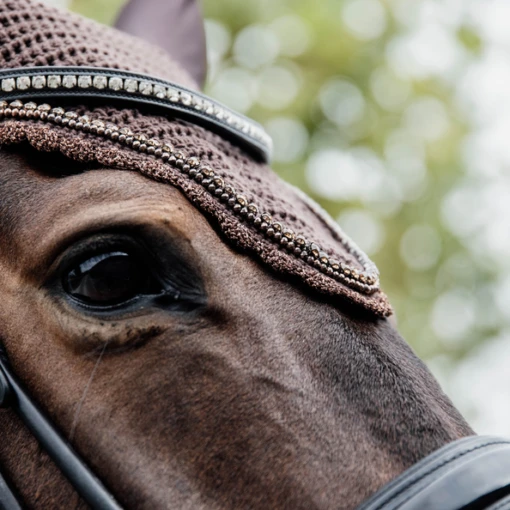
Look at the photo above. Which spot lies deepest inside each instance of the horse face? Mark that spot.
(183, 372)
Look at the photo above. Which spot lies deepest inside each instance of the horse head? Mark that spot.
(166, 302)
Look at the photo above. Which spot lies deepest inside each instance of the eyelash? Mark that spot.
(80, 254)
(179, 285)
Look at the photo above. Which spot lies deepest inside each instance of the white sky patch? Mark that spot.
(458, 269)
(405, 159)
(483, 89)
(293, 34)
(450, 13)
(256, 46)
(478, 211)
(431, 50)
(502, 296)
(453, 315)
(290, 138)
(356, 174)
(459, 212)
(420, 247)
(342, 102)
(365, 19)
(427, 118)
(479, 386)
(236, 88)
(333, 174)
(278, 87)
(485, 152)
(362, 226)
(390, 91)
(490, 18)
(218, 41)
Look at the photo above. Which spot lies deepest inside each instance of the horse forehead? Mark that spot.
(35, 204)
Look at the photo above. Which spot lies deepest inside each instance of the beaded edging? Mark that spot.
(366, 281)
(47, 82)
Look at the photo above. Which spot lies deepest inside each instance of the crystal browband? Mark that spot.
(102, 83)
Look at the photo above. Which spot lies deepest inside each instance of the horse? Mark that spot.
(182, 370)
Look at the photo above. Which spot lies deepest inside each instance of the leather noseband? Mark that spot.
(469, 474)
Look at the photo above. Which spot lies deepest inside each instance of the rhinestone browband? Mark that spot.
(366, 281)
(33, 83)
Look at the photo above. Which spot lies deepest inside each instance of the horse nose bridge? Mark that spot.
(242, 321)
(274, 312)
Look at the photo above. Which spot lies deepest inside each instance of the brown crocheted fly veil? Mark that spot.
(207, 155)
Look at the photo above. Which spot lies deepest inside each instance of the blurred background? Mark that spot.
(395, 116)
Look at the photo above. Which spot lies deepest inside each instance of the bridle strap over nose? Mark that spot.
(8, 500)
(87, 485)
(469, 474)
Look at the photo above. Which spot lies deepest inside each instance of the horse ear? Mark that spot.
(174, 25)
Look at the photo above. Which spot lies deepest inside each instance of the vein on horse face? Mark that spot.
(84, 396)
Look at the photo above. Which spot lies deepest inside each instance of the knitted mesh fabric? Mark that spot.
(33, 34)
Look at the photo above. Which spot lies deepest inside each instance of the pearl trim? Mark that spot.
(366, 281)
(46, 82)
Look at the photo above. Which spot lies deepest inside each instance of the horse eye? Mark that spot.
(109, 279)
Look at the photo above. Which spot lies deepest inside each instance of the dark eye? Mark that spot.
(109, 279)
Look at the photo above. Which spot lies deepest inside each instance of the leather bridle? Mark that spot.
(469, 474)
(113, 86)
(14, 396)
(472, 473)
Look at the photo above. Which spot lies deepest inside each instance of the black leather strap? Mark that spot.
(8, 500)
(83, 480)
(472, 473)
(502, 504)
(182, 102)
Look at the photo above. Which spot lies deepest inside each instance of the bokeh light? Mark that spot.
(365, 19)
